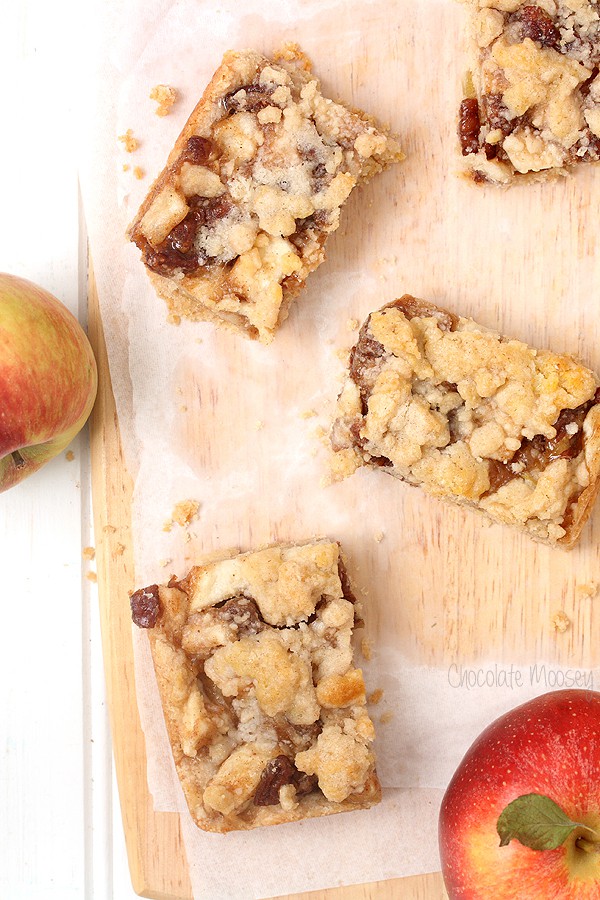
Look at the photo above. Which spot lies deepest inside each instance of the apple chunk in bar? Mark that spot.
(265, 710)
(443, 403)
(532, 104)
(240, 215)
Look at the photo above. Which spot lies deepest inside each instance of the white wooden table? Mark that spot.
(60, 827)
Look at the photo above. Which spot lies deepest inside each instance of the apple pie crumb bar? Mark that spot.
(265, 710)
(441, 402)
(532, 98)
(240, 215)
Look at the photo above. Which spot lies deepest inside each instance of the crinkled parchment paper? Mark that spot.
(239, 428)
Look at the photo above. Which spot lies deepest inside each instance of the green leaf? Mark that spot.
(535, 821)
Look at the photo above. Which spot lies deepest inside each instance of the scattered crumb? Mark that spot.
(188, 537)
(587, 591)
(174, 319)
(561, 622)
(320, 432)
(366, 648)
(109, 529)
(259, 425)
(375, 696)
(165, 96)
(378, 536)
(129, 142)
(119, 549)
(185, 512)
(342, 354)
(91, 576)
(165, 562)
(308, 414)
(69, 456)
(139, 173)
(386, 717)
(126, 167)
(352, 324)
(183, 409)
(88, 552)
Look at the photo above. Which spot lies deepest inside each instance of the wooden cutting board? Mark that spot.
(522, 261)
(155, 849)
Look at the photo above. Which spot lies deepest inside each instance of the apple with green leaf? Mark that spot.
(520, 819)
(48, 378)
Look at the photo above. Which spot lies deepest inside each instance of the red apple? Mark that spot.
(548, 748)
(48, 378)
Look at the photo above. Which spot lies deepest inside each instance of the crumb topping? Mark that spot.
(244, 211)
(256, 670)
(467, 414)
(535, 101)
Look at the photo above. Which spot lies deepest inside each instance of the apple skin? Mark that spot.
(550, 746)
(48, 378)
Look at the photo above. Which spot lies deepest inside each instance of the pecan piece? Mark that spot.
(197, 150)
(275, 775)
(243, 615)
(145, 606)
(257, 97)
(469, 125)
(536, 24)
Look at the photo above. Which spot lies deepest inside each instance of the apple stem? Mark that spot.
(18, 459)
(588, 846)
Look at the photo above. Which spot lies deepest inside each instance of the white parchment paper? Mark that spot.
(238, 427)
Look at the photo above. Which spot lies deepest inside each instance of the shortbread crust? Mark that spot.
(240, 215)
(441, 402)
(265, 710)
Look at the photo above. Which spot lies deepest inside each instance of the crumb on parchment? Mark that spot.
(375, 696)
(130, 143)
(386, 717)
(561, 622)
(139, 173)
(88, 552)
(91, 576)
(69, 456)
(366, 648)
(183, 514)
(119, 549)
(378, 536)
(165, 96)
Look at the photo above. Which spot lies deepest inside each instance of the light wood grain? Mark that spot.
(154, 846)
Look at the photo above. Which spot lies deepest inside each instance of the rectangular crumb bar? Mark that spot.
(471, 416)
(532, 104)
(265, 710)
(240, 215)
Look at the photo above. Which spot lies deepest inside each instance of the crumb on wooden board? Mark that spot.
(561, 622)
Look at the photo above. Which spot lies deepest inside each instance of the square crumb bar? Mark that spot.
(471, 416)
(532, 104)
(240, 215)
(265, 710)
